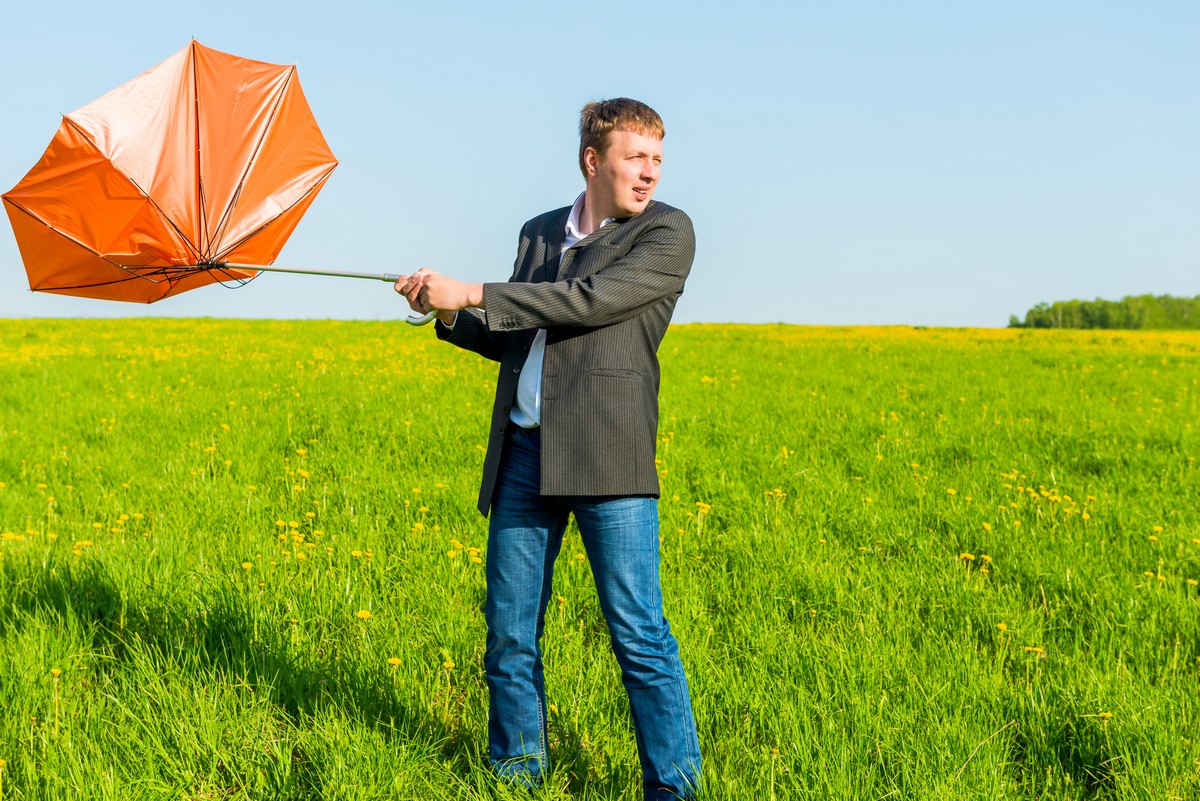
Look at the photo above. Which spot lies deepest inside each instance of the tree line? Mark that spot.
(1132, 311)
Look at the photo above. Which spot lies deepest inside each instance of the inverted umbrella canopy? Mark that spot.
(153, 189)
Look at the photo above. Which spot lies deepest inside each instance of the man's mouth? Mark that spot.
(641, 192)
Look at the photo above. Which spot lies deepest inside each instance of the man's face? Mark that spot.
(622, 179)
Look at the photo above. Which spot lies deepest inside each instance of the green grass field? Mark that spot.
(241, 560)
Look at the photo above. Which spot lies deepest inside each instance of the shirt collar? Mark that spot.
(573, 231)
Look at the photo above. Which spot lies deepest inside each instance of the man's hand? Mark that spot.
(427, 290)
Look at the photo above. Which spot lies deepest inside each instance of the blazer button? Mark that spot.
(516, 369)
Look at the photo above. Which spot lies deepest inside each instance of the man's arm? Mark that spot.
(654, 268)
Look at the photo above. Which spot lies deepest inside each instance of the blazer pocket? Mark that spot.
(628, 375)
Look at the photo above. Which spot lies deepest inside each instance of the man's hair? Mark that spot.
(599, 119)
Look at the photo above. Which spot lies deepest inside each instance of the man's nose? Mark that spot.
(650, 171)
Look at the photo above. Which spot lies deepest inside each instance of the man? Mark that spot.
(576, 331)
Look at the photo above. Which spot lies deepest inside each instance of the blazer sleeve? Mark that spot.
(654, 268)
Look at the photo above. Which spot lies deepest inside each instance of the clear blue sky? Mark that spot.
(926, 163)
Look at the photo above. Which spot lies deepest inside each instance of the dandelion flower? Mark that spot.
(363, 614)
(1192, 582)
(394, 661)
(55, 672)
(247, 565)
(448, 665)
(1002, 626)
(1106, 715)
(987, 526)
(970, 557)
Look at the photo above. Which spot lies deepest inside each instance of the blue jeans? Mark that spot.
(620, 535)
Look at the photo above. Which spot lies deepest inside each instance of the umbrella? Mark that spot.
(195, 172)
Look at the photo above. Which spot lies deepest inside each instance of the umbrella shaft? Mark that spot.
(388, 277)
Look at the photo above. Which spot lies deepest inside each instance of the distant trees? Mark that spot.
(1132, 311)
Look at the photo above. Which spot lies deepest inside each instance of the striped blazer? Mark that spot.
(605, 309)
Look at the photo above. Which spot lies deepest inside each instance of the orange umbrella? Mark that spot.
(204, 161)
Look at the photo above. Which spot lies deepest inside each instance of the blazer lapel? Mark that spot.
(554, 238)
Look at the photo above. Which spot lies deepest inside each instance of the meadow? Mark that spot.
(241, 560)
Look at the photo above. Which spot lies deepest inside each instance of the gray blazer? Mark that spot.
(605, 311)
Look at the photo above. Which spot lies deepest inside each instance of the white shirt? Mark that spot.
(527, 411)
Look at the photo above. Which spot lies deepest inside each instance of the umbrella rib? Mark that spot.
(237, 193)
(145, 195)
(201, 215)
(316, 187)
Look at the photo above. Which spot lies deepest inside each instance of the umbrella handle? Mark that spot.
(421, 319)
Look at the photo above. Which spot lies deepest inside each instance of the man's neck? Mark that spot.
(590, 218)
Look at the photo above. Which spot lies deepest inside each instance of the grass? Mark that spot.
(901, 563)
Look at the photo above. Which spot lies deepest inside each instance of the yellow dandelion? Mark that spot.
(1035, 649)
(1192, 582)
(1002, 626)
(970, 557)
(448, 665)
(394, 661)
(1158, 529)
(553, 708)
(951, 492)
(987, 526)
(1106, 715)
(356, 554)
(55, 672)
(1147, 574)
(1086, 516)
(362, 614)
(1153, 538)
(247, 565)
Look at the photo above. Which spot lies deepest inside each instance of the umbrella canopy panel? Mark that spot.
(205, 158)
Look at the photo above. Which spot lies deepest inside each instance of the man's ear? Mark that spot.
(590, 161)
